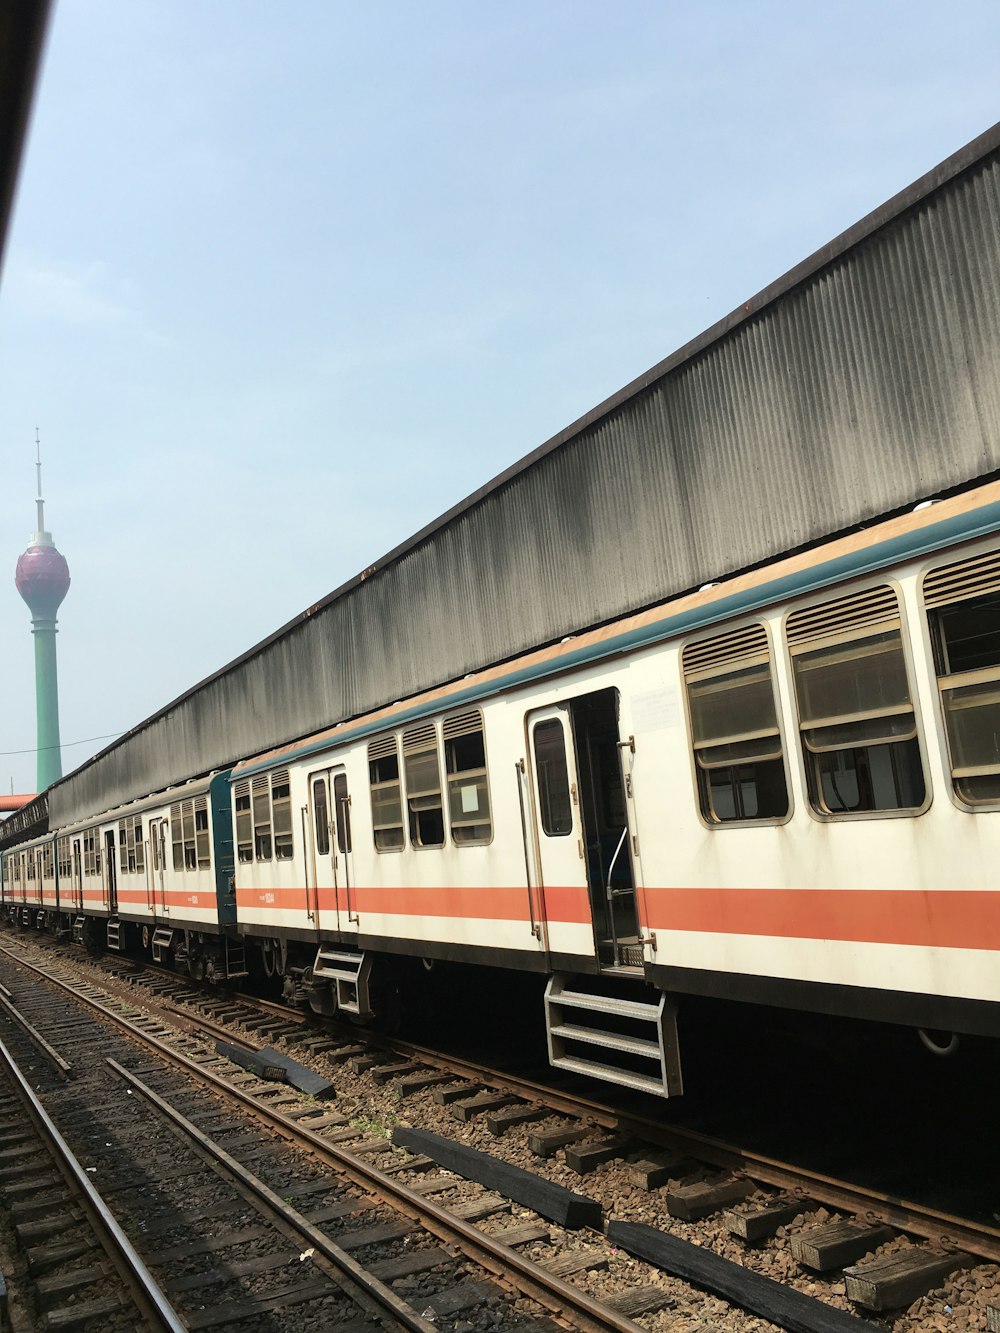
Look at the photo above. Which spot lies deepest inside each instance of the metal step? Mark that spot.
(348, 975)
(615, 1005)
(163, 937)
(612, 1041)
(625, 1078)
(236, 960)
(604, 1004)
(78, 923)
(114, 934)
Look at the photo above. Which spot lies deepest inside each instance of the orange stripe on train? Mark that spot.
(948, 919)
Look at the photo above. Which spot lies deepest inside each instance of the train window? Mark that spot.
(130, 858)
(177, 837)
(963, 605)
(244, 822)
(423, 786)
(261, 796)
(64, 858)
(856, 716)
(281, 807)
(734, 727)
(468, 781)
(342, 806)
(386, 793)
(555, 809)
(91, 853)
(190, 850)
(321, 817)
(202, 842)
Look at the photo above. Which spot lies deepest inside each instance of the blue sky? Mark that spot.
(284, 282)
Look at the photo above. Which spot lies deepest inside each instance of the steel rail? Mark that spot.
(947, 1230)
(944, 1229)
(153, 1305)
(574, 1306)
(361, 1286)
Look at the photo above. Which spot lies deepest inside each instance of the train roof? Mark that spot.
(860, 382)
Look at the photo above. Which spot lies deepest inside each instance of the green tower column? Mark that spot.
(49, 767)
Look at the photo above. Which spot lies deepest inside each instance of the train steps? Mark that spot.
(613, 1028)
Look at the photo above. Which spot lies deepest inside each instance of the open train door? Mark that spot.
(602, 1017)
(585, 830)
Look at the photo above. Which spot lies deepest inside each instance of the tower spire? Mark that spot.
(40, 537)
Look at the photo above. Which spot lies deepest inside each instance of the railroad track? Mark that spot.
(371, 1210)
(826, 1225)
(78, 1260)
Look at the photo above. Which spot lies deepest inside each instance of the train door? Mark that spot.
(157, 852)
(112, 871)
(585, 822)
(77, 876)
(331, 898)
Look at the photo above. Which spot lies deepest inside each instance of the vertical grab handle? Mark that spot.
(310, 912)
(536, 929)
(344, 832)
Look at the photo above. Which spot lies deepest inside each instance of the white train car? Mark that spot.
(782, 789)
(785, 789)
(29, 881)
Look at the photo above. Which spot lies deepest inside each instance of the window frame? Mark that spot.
(413, 815)
(836, 593)
(378, 743)
(450, 778)
(770, 821)
(931, 641)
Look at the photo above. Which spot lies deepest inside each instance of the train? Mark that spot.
(782, 788)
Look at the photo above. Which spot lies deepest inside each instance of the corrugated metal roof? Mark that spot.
(862, 381)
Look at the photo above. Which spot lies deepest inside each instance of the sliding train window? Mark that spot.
(261, 800)
(202, 842)
(88, 854)
(123, 865)
(64, 857)
(738, 758)
(423, 786)
(387, 795)
(856, 715)
(963, 611)
(177, 837)
(130, 858)
(244, 822)
(281, 807)
(554, 798)
(468, 781)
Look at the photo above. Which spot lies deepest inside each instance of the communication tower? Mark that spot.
(42, 579)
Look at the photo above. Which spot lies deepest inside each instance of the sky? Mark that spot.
(286, 281)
